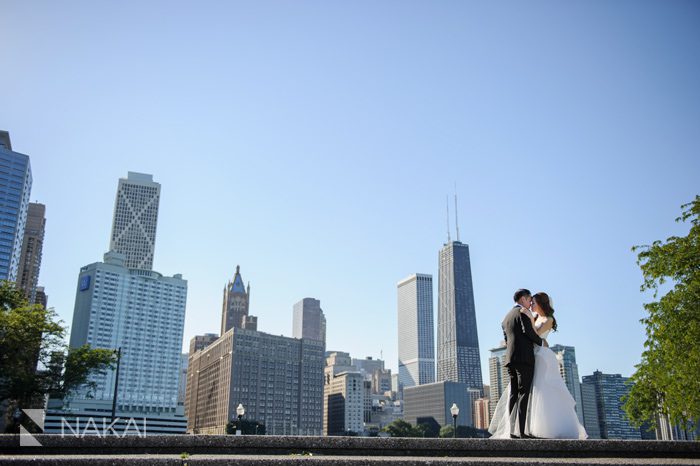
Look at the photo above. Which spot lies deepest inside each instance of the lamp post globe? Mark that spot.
(454, 410)
(240, 411)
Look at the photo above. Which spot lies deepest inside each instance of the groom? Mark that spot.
(519, 358)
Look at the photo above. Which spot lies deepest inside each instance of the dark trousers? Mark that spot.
(520, 383)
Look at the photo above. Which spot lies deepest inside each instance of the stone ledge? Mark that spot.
(350, 446)
(287, 460)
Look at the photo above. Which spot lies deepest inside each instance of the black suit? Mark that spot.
(520, 361)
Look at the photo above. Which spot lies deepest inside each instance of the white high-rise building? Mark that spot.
(143, 313)
(416, 341)
(135, 220)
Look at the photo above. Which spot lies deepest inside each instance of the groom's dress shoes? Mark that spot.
(514, 436)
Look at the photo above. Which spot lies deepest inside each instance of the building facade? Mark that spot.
(345, 395)
(308, 320)
(434, 400)
(498, 376)
(608, 390)
(482, 413)
(458, 342)
(40, 297)
(182, 381)
(32, 246)
(344, 403)
(589, 406)
(143, 313)
(279, 381)
(15, 189)
(199, 342)
(566, 355)
(415, 322)
(135, 220)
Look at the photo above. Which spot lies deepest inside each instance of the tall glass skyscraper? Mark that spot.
(15, 188)
(135, 220)
(415, 319)
(458, 343)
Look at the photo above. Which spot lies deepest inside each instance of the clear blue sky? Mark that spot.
(313, 143)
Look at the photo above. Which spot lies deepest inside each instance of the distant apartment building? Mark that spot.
(199, 342)
(566, 355)
(373, 371)
(498, 376)
(482, 413)
(605, 392)
(32, 247)
(182, 381)
(308, 320)
(346, 396)
(433, 401)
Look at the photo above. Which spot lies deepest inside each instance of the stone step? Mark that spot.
(321, 460)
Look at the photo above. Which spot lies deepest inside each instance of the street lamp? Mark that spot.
(455, 412)
(240, 411)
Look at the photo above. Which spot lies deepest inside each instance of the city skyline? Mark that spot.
(569, 130)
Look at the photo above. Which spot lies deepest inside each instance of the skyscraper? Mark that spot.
(15, 189)
(498, 376)
(458, 342)
(566, 355)
(415, 319)
(122, 303)
(236, 304)
(344, 397)
(608, 390)
(589, 406)
(308, 320)
(135, 220)
(279, 381)
(143, 313)
(32, 245)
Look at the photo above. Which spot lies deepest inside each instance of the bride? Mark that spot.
(551, 412)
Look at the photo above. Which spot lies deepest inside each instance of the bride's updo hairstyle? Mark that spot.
(542, 299)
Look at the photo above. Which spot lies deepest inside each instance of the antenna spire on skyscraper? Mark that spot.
(447, 203)
(456, 213)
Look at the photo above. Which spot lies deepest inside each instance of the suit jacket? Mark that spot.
(519, 335)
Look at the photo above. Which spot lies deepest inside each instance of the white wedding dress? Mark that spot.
(551, 411)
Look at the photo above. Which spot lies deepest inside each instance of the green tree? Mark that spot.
(34, 359)
(401, 428)
(666, 380)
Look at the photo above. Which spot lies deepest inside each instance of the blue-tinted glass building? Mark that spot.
(15, 188)
(605, 392)
(458, 343)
